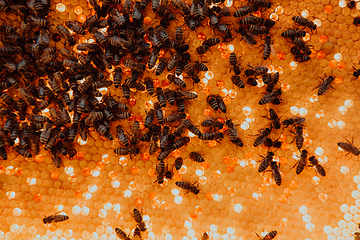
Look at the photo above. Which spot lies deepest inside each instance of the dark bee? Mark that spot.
(261, 3)
(325, 85)
(275, 167)
(248, 20)
(349, 147)
(121, 234)
(237, 81)
(252, 81)
(199, 66)
(205, 236)
(170, 97)
(293, 121)
(234, 134)
(267, 47)
(178, 163)
(211, 136)
(202, 49)
(221, 103)
(301, 45)
(161, 67)
(177, 81)
(117, 77)
(126, 90)
(139, 219)
(174, 117)
(55, 218)
(304, 22)
(302, 58)
(274, 119)
(197, 157)
(159, 113)
(318, 167)
(134, 65)
(184, 8)
(246, 10)
(180, 104)
(75, 26)
(299, 139)
(260, 70)
(302, 162)
(149, 118)
(293, 33)
(262, 136)
(103, 130)
(248, 38)
(6, 29)
(357, 21)
(185, 95)
(127, 151)
(233, 59)
(23, 152)
(122, 136)
(351, 4)
(164, 37)
(135, 133)
(161, 97)
(66, 34)
(190, 187)
(153, 143)
(258, 30)
(160, 170)
(164, 138)
(212, 123)
(211, 42)
(266, 162)
(3, 153)
(181, 142)
(270, 96)
(271, 234)
(182, 127)
(211, 100)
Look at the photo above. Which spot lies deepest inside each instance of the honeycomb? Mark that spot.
(98, 189)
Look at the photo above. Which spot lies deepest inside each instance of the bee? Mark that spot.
(200, 67)
(260, 70)
(164, 154)
(139, 219)
(262, 136)
(55, 218)
(257, 30)
(205, 236)
(6, 29)
(182, 127)
(349, 147)
(197, 157)
(34, 143)
(134, 65)
(293, 121)
(126, 90)
(212, 123)
(248, 38)
(202, 49)
(149, 118)
(274, 118)
(160, 170)
(271, 234)
(159, 113)
(252, 20)
(325, 85)
(252, 81)
(211, 42)
(127, 151)
(178, 163)
(184, 8)
(234, 134)
(194, 130)
(293, 33)
(103, 130)
(180, 104)
(135, 133)
(246, 10)
(270, 96)
(23, 152)
(117, 77)
(211, 136)
(221, 103)
(170, 97)
(181, 142)
(301, 45)
(190, 187)
(185, 95)
(66, 34)
(153, 143)
(318, 167)
(302, 58)
(237, 81)
(304, 22)
(161, 97)
(164, 37)
(212, 101)
(179, 116)
(266, 162)
(357, 21)
(122, 136)
(161, 66)
(3, 153)
(302, 162)
(177, 81)
(299, 139)
(121, 234)
(351, 4)
(261, 3)
(267, 47)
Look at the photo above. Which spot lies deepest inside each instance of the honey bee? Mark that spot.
(293, 33)
(275, 167)
(325, 85)
(248, 38)
(211, 42)
(270, 96)
(197, 157)
(304, 22)
(318, 167)
(349, 147)
(122, 136)
(181, 142)
(257, 30)
(177, 81)
(160, 171)
(271, 235)
(357, 23)
(55, 218)
(189, 187)
(139, 219)
(121, 234)
(178, 163)
(211, 100)
(202, 49)
(234, 134)
(211, 136)
(248, 20)
(302, 162)
(301, 45)
(66, 34)
(293, 121)
(205, 236)
(262, 136)
(246, 10)
(267, 47)
(212, 123)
